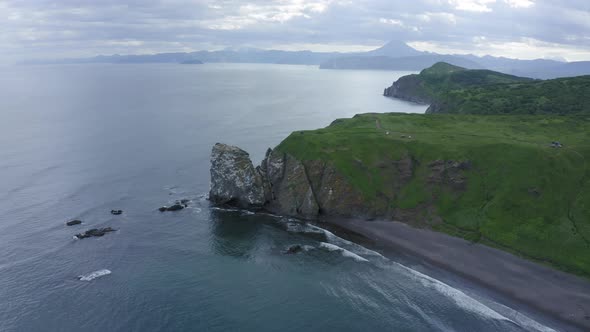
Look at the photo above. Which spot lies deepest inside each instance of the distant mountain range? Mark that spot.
(397, 56)
(394, 55)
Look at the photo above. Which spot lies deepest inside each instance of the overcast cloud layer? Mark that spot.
(513, 28)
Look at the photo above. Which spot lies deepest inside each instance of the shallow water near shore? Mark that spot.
(79, 141)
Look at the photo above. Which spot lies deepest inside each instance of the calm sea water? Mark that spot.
(78, 141)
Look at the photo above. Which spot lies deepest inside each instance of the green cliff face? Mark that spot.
(494, 179)
(451, 89)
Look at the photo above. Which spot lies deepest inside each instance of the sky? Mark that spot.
(526, 29)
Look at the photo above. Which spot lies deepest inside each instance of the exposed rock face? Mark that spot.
(234, 180)
(285, 185)
(448, 172)
(435, 108)
(288, 190)
(408, 88)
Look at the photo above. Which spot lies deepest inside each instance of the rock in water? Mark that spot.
(175, 207)
(94, 232)
(74, 222)
(116, 212)
(234, 180)
(293, 249)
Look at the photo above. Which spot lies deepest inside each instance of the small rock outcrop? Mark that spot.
(116, 212)
(73, 222)
(296, 248)
(95, 232)
(177, 206)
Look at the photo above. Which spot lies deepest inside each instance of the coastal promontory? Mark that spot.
(496, 179)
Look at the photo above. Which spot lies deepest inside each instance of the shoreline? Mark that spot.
(563, 297)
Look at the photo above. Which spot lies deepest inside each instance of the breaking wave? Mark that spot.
(344, 252)
(460, 298)
(94, 275)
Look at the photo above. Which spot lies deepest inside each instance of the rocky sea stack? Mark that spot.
(282, 184)
(279, 184)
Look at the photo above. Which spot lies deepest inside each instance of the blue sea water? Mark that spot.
(79, 140)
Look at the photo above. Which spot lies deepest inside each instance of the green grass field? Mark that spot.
(521, 195)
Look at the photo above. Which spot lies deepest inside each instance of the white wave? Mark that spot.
(344, 252)
(225, 209)
(340, 241)
(308, 247)
(520, 319)
(461, 299)
(470, 304)
(94, 275)
(297, 227)
(269, 214)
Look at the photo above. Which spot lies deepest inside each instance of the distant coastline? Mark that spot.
(395, 55)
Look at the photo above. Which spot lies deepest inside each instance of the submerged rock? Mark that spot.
(74, 222)
(116, 212)
(293, 249)
(95, 232)
(175, 207)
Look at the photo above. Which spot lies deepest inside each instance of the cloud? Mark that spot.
(472, 5)
(520, 3)
(73, 28)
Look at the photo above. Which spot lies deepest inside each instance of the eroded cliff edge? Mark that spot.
(284, 185)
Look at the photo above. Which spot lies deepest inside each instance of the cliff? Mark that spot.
(498, 180)
(282, 184)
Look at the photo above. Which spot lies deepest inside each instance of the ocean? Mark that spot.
(77, 141)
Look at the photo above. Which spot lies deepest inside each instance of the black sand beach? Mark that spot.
(560, 295)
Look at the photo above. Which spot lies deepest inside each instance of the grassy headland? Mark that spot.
(516, 192)
(451, 89)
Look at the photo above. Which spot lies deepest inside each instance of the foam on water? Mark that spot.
(460, 298)
(352, 250)
(342, 242)
(225, 209)
(344, 252)
(94, 275)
